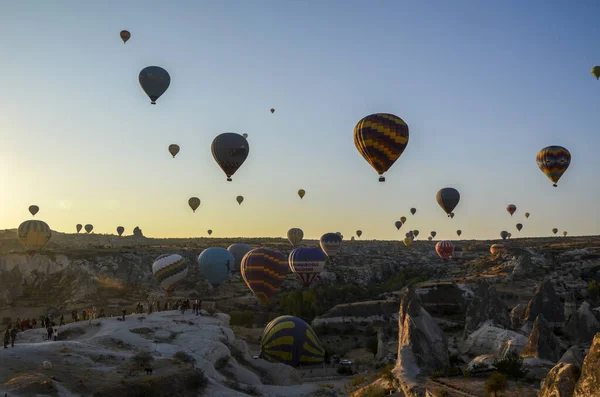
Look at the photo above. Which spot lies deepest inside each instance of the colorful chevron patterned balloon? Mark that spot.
(553, 161)
(263, 271)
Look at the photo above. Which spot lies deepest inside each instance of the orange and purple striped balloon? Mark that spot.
(263, 271)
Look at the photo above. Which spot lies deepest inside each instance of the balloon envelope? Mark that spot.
(34, 235)
(459, 232)
(408, 241)
(173, 149)
(433, 234)
(295, 236)
(194, 203)
(444, 249)
(88, 228)
(511, 208)
(239, 199)
(359, 233)
(527, 215)
(154, 80)
(381, 139)
(457, 252)
(448, 199)
(504, 234)
(78, 227)
(519, 226)
(403, 219)
(596, 72)
(263, 271)
(307, 263)
(125, 35)
(553, 161)
(169, 270)
(238, 251)
(120, 230)
(301, 193)
(216, 265)
(498, 248)
(290, 340)
(331, 243)
(413, 211)
(209, 231)
(34, 209)
(398, 225)
(230, 150)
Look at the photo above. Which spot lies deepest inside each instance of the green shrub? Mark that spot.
(495, 383)
(184, 357)
(467, 374)
(142, 359)
(512, 365)
(358, 380)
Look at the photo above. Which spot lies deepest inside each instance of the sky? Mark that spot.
(483, 86)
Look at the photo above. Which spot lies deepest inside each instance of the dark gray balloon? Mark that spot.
(504, 234)
(230, 150)
(448, 199)
(154, 81)
(238, 251)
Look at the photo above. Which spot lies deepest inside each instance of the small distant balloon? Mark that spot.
(527, 215)
(416, 233)
(498, 249)
(429, 238)
(359, 233)
(295, 236)
(398, 225)
(553, 161)
(154, 80)
(239, 199)
(596, 72)
(79, 226)
(125, 35)
(519, 226)
(194, 203)
(403, 219)
(509, 235)
(209, 231)
(511, 208)
(413, 211)
(565, 233)
(272, 110)
(457, 253)
(88, 228)
(555, 230)
(301, 193)
(504, 234)
(408, 241)
(448, 199)
(331, 243)
(173, 149)
(452, 215)
(433, 233)
(245, 135)
(458, 232)
(120, 230)
(33, 209)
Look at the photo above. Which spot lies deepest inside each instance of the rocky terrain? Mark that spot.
(441, 327)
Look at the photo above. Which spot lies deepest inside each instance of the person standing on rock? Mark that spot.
(49, 330)
(62, 320)
(7, 337)
(13, 336)
(124, 311)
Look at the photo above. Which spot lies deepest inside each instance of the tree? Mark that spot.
(511, 365)
(495, 383)
(594, 289)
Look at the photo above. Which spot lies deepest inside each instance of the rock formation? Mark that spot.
(546, 302)
(542, 343)
(485, 306)
(516, 315)
(560, 381)
(573, 356)
(422, 346)
(583, 325)
(590, 373)
(137, 232)
(489, 339)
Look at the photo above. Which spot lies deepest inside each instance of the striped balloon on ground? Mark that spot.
(553, 161)
(444, 249)
(290, 340)
(498, 249)
(169, 270)
(307, 263)
(263, 271)
(381, 139)
(331, 243)
(34, 235)
(457, 253)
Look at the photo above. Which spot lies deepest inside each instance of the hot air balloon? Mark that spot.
(565, 233)
(553, 161)
(307, 263)
(416, 233)
(331, 243)
(457, 253)
(429, 238)
(403, 219)
(398, 225)
(413, 211)
(410, 235)
(444, 249)
(272, 110)
(79, 226)
(527, 215)
(230, 150)
(433, 234)
(555, 230)
(263, 271)
(88, 228)
(120, 230)
(359, 233)
(238, 250)
(290, 340)
(301, 193)
(209, 231)
(452, 215)
(194, 203)
(498, 249)
(216, 265)
(173, 149)
(596, 72)
(448, 199)
(125, 35)
(458, 232)
(381, 139)
(408, 241)
(295, 236)
(504, 234)
(169, 270)
(511, 208)
(519, 226)
(34, 235)
(509, 235)
(33, 209)
(245, 135)
(154, 81)
(239, 199)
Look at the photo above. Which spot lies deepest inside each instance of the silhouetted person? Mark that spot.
(49, 330)
(7, 337)
(124, 311)
(62, 320)
(13, 336)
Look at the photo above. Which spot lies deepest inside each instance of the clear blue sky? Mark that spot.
(482, 85)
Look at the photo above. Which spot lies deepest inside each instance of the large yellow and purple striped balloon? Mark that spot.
(553, 161)
(34, 235)
(263, 271)
(381, 139)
